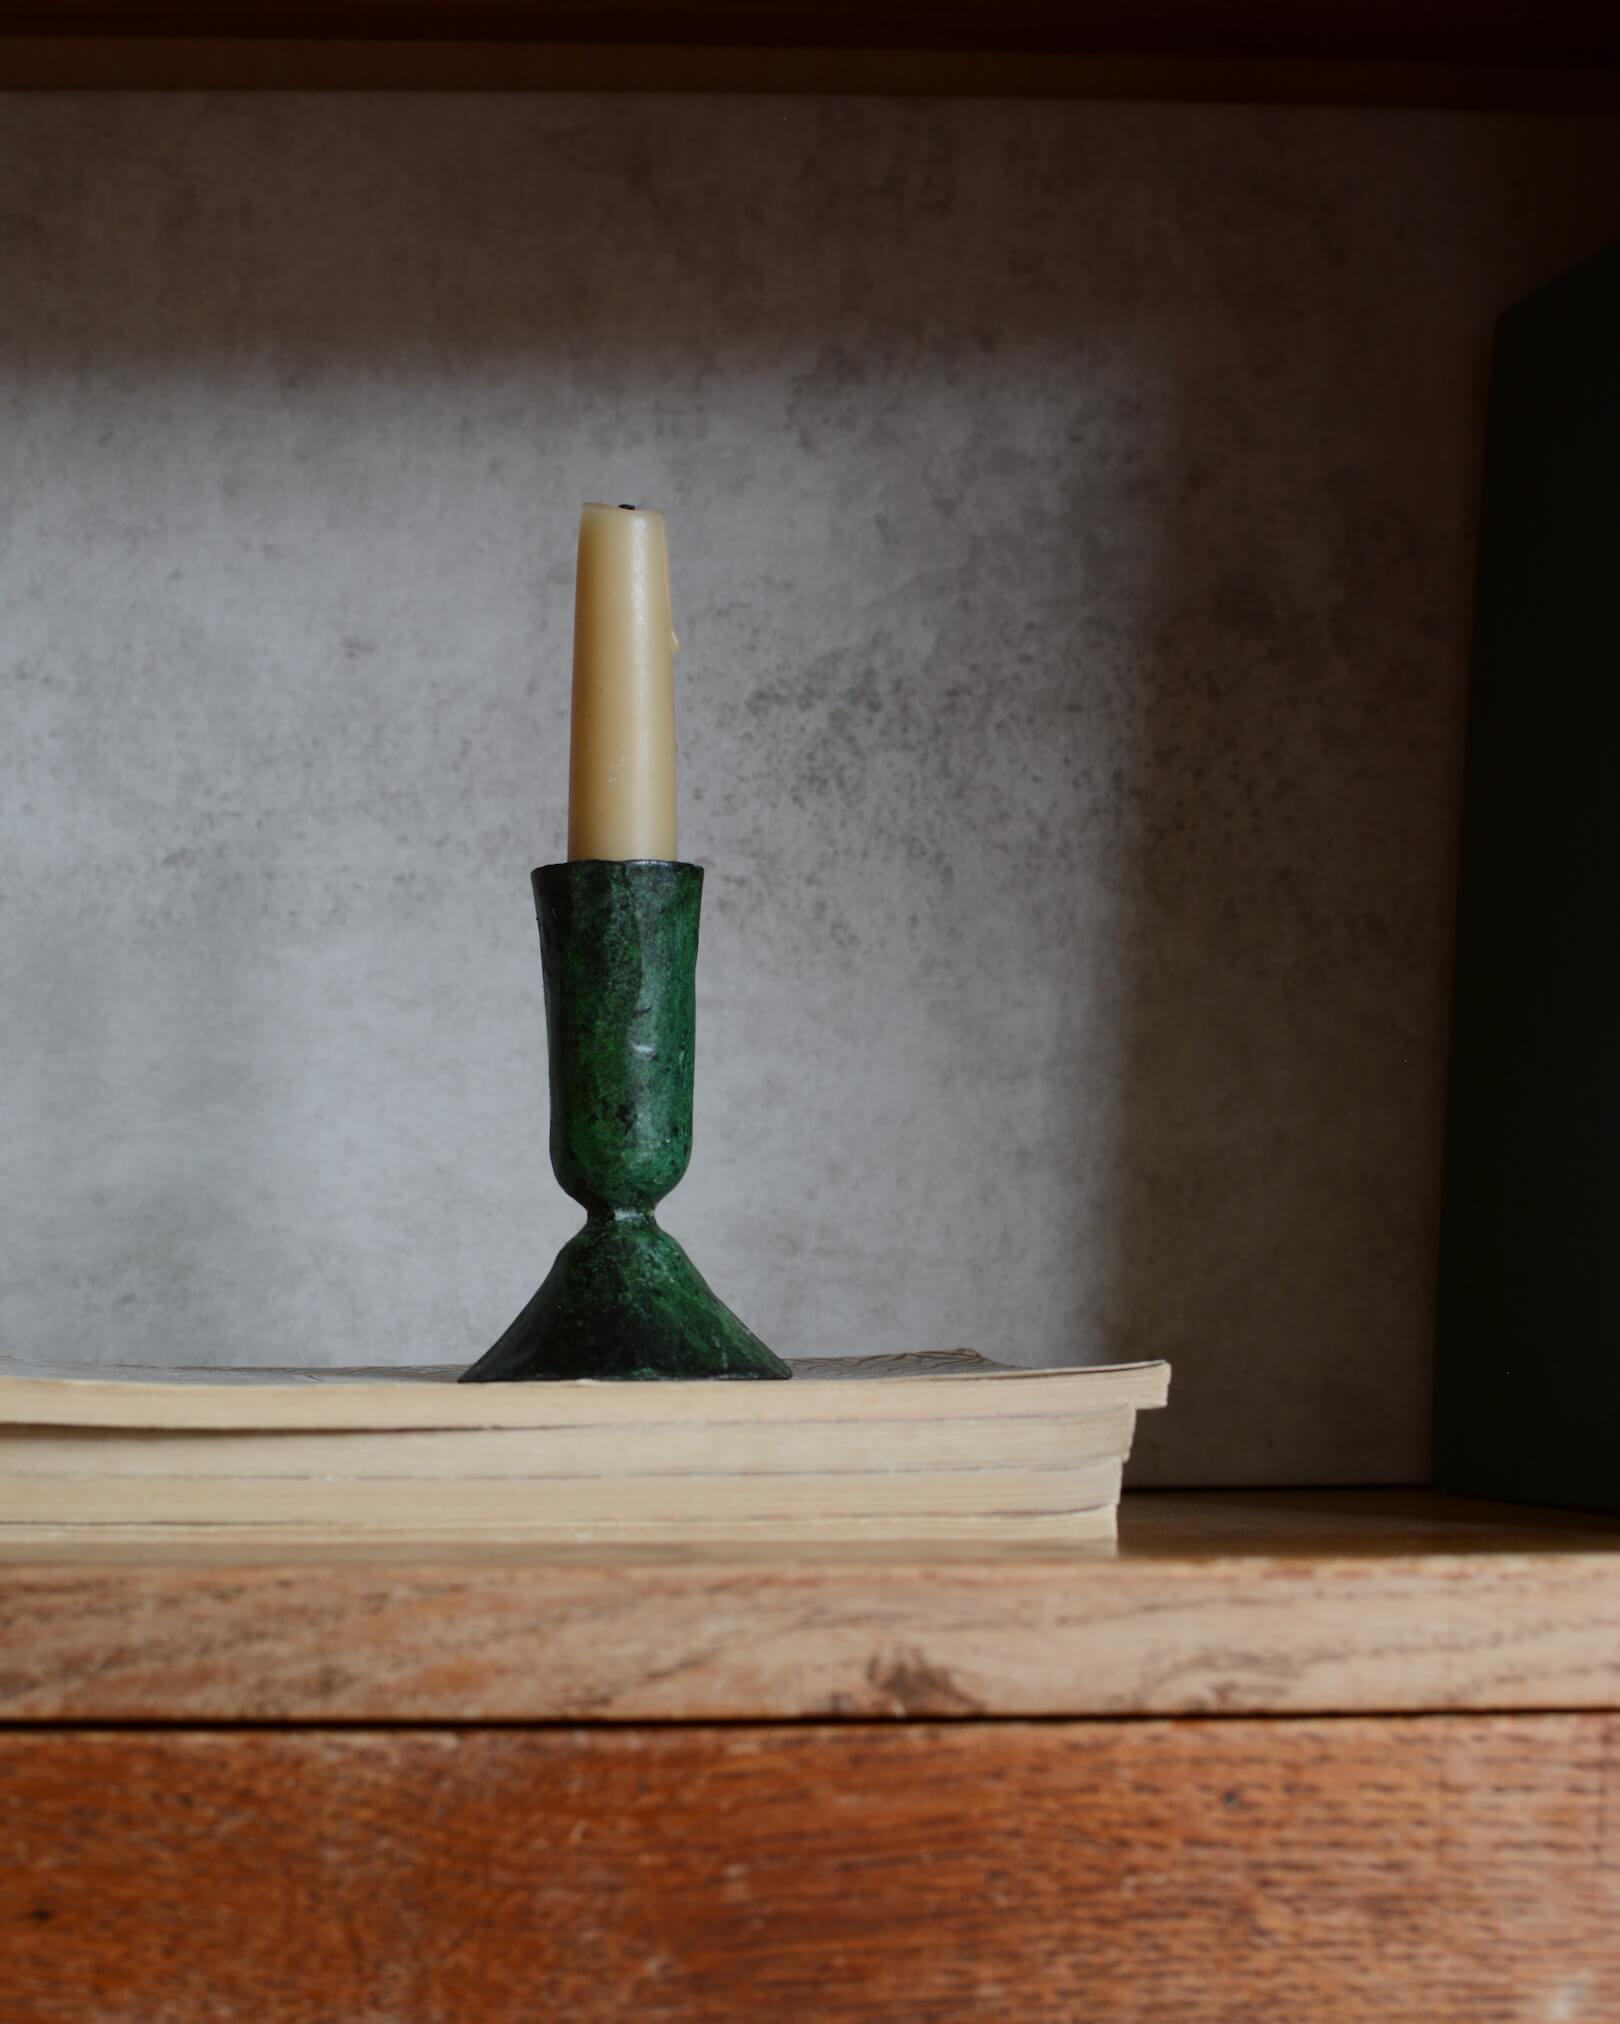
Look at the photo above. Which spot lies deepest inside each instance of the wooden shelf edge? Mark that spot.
(231, 63)
(1120, 1872)
(1227, 1604)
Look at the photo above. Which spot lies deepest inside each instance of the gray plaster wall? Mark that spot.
(1071, 511)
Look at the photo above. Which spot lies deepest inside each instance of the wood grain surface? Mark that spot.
(163, 59)
(1456, 1871)
(1233, 1602)
(1482, 31)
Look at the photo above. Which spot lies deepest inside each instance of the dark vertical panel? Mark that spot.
(1528, 1380)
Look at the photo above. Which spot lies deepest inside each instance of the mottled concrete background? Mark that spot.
(1071, 511)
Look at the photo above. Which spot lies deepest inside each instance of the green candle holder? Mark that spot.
(618, 949)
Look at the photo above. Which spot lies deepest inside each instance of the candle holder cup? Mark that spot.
(618, 950)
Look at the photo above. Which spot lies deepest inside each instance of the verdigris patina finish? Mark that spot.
(618, 947)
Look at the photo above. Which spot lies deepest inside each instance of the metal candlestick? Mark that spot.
(618, 949)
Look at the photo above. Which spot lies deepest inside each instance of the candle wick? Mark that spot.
(625, 509)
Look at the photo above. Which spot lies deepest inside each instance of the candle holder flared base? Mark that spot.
(618, 948)
(624, 1301)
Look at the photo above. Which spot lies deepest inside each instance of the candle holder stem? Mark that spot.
(618, 948)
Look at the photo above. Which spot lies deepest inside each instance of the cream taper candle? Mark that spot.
(621, 774)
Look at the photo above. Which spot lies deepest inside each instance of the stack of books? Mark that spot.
(937, 1445)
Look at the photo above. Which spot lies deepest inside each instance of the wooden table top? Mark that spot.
(1225, 1602)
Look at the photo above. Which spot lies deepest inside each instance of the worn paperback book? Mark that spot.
(933, 1445)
